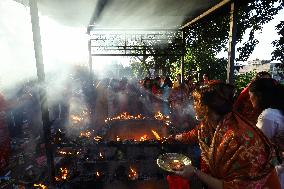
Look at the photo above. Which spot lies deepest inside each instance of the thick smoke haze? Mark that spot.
(63, 29)
(62, 45)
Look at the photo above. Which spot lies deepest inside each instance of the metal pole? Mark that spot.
(182, 57)
(90, 55)
(42, 92)
(232, 43)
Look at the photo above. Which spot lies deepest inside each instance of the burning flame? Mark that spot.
(143, 138)
(85, 134)
(101, 156)
(64, 153)
(156, 135)
(67, 153)
(76, 118)
(117, 138)
(126, 116)
(160, 116)
(40, 186)
(132, 174)
(63, 176)
(98, 174)
(97, 138)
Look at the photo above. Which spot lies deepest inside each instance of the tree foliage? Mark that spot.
(207, 38)
(278, 53)
(242, 80)
(251, 18)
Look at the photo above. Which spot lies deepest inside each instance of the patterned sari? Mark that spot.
(237, 153)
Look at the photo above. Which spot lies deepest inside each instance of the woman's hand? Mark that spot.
(186, 172)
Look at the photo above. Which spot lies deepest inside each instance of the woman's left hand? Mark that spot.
(186, 172)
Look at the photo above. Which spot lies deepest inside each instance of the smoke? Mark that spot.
(68, 12)
(123, 13)
(150, 14)
(63, 46)
(63, 26)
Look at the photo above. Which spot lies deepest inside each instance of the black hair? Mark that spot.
(217, 96)
(262, 74)
(168, 82)
(145, 81)
(269, 93)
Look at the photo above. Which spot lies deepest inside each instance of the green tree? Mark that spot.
(278, 53)
(209, 37)
(242, 80)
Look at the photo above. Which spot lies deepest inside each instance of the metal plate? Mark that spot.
(165, 161)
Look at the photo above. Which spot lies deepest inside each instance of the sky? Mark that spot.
(64, 45)
(264, 48)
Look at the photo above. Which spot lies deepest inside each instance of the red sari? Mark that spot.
(244, 106)
(237, 153)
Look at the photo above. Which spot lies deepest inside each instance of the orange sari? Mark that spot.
(237, 153)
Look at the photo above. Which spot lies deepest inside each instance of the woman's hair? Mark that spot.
(262, 74)
(215, 96)
(269, 93)
(168, 82)
(147, 79)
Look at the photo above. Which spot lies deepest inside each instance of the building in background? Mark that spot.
(274, 68)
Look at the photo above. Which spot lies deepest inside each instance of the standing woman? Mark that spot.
(267, 97)
(236, 154)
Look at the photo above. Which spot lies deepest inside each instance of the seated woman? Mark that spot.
(236, 153)
(267, 97)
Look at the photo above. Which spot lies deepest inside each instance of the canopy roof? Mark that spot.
(148, 13)
(160, 14)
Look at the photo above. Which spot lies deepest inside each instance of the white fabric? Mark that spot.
(271, 122)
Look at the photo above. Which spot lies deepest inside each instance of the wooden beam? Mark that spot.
(206, 13)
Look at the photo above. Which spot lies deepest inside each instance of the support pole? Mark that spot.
(92, 91)
(232, 43)
(90, 55)
(42, 92)
(182, 57)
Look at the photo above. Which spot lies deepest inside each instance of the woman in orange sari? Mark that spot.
(236, 154)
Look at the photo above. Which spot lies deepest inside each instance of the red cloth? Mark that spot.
(177, 182)
(244, 106)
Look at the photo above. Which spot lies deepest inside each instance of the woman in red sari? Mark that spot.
(236, 154)
(243, 104)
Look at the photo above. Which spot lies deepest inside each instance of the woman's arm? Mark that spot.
(210, 181)
(189, 137)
